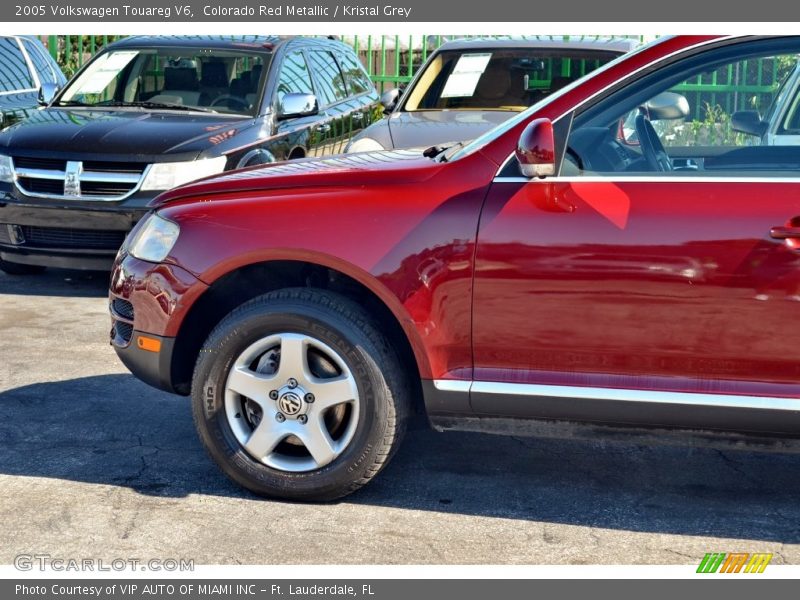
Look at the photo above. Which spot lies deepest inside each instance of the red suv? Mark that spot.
(616, 253)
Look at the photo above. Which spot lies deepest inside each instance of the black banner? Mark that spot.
(266, 11)
(391, 589)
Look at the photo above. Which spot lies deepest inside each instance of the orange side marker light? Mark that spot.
(149, 344)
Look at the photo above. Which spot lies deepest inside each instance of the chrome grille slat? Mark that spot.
(41, 174)
(105, 177)
(110, 177)
(89, 180)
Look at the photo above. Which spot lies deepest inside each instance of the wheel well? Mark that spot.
(237, 287)
(297, 153)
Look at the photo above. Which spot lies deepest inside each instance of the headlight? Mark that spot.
(6, 169)
(153, 239)
(365, 144)
(165, 176)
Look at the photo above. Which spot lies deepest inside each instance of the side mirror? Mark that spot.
(536, 149)
(667, 106)
(749, 122)
(47, 92)
(389, 99)
(298, 105)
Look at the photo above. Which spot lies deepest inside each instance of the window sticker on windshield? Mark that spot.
(464, 78)
(104, 72)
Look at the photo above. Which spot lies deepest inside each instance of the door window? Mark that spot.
(14, 73)
(43, 66)
(355, 77)
(294, 77)
(708, 117)
(330, 81)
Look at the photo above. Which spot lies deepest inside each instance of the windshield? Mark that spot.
(495, 133)
(508, 79)
(780, 97)
(209, 80)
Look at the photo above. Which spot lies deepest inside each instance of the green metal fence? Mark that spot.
(747, 85)
(392, 61)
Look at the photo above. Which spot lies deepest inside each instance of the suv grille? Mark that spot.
(121, 333)
(52, 164)
(121, 322)
(123, 308)
(90, 180)
(41, 186)
(60, 237)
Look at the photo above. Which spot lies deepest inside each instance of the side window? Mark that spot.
(14, 73)
(355, 77)
(707, 117)
(784, 115)
(294, 77)
(330, 82)
(40, 62)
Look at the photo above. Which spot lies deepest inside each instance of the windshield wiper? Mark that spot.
(441, 151)
(148, 104)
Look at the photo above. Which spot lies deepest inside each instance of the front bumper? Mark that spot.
(83, 236)
(148, 302)
(154, 368)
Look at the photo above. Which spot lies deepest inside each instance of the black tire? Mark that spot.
(19, 269)
(344, 327)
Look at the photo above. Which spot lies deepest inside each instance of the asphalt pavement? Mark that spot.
(94, 463)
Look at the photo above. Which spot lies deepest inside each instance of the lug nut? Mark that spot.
(309, 398)
(273, 395)
(303, 419)
(292, 383)
(280, 418)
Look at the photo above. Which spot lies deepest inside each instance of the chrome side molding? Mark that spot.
(617, 394)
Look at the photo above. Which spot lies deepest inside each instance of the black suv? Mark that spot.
(150, 113)
(25, 66)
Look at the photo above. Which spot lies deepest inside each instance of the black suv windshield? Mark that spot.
(224, 81)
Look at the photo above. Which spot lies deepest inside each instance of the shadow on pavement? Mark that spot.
(57, 282)
(114, 430)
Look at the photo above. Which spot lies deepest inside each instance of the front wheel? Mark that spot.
(296, 394)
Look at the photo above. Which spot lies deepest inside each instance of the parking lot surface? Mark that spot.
(94, 463)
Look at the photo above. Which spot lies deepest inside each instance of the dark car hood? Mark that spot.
(118, 134)
(361, 169)
(426, 128)
(18, 100)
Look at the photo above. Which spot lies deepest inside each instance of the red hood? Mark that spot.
(399, 166)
